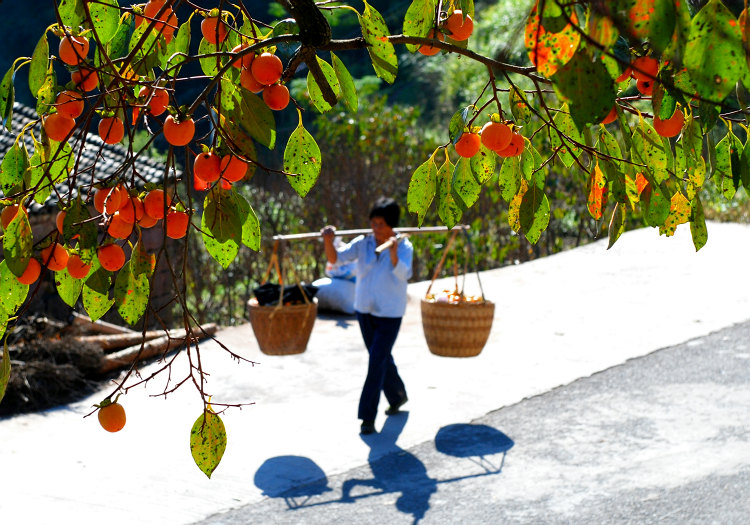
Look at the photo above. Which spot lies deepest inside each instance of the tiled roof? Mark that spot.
(94, 156)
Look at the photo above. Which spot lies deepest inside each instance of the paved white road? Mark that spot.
(556, 320)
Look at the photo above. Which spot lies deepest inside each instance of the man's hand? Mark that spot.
(328, 233)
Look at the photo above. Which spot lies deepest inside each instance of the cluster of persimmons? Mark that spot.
(121, 208)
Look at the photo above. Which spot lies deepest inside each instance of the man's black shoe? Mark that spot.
(367, 427)
(394, 409)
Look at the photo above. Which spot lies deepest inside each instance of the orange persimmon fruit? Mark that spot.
(496, 135)
(178, 133)
(276, 96)
(461, 27)
(55, 257)
(31, 273)
(111, 257)
(58, 126)
(73, 49)
(267, 68)
(176, 224)
(112, 417)
(468, 144)
(77, 268)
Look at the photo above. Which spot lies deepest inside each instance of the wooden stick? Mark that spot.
(111, 341)
(364, 231)
(100, 326)
(387, 244)
(153, 348)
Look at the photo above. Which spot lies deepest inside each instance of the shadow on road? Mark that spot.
(394, 470)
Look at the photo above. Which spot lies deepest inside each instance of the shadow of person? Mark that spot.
(293, 478)
(476, 443)
(394, 471)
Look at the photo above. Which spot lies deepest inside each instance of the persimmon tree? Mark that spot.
(640, 101)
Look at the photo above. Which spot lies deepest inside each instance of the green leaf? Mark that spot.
(14, 166)
(568, 151)
(47, 92)
(3, 325)
(663, 101)
(727, 172)
(448, 210)
(316, 95)
(208, 440)
(745, 166)
(117, 46)
(105, 15)
(72, 12)
(657, 205)
(714, 51)
(256, 119)
(131, 293)
(519, 105)
(5, 363)
(96, 298)
(12, 292)
(78, 224)
(69, 288)
(483, 164)
(464, 186)
(382, 53)
(150, 53)
(250, 224)
(177, 50)
(7, 96)
(221, 226)
(143, 262)
(646, 19)
(458, 122)
(617, 223)
(422, 188)
(527, 161)
(534, 212)
(510, 178)
(39, 64)
(586, 86)
(648, 149)
(698, 225)
(233, 132)
(212, 65)
(348, 89)
(419, 19)
(302, 160)
(18, 243)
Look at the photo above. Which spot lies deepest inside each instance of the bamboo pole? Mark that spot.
(363, 231)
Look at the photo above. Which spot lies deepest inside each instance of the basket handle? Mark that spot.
(439, 267)
(273, 263)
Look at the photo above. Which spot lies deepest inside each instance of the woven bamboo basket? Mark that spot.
(283, 330)
(457, 330)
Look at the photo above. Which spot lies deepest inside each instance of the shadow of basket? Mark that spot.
(474, 442)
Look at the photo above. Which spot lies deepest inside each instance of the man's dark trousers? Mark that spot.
(379, 334)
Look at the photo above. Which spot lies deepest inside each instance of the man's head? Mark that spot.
(386, 208)
(384, 217)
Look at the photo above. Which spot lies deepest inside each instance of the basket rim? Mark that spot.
(460, 304)
(253, 303)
